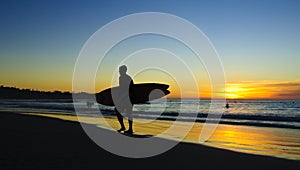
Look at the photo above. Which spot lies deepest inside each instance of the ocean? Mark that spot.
(262, 113)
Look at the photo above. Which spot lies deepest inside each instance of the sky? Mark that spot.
(257, 41)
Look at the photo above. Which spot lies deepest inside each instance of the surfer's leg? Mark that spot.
(130, 130)
(130, 121)
(130, 125)
(120, 119)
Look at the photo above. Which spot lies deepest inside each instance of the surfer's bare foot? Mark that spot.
(130, 132)
(122, 129)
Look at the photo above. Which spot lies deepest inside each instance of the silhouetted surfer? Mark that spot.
(125, 95)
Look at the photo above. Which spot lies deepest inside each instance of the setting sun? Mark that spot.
(234, 91)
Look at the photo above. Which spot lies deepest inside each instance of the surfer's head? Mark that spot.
(123, 69)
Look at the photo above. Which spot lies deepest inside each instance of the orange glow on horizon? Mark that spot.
(263, 90)
(240, 90)
(250, 90)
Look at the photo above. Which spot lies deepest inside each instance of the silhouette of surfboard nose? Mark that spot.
(158, 93)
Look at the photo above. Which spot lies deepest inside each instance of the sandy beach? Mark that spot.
(34, 142)
(275, 142)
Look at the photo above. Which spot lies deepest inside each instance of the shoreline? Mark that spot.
(268, 141)
(277, 142)
(267, 123)
(36, 142)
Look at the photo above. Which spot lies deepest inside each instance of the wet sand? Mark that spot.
(33, 142)
(276, 142)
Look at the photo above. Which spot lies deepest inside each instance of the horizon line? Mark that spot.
(199, 98)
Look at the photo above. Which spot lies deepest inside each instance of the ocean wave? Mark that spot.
(252, 115)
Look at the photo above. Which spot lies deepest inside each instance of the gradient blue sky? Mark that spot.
(257, 40)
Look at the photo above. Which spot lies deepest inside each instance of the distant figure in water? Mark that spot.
(227, 105)
(124, 104)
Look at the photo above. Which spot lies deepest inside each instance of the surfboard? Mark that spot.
(143, 93)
